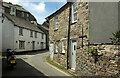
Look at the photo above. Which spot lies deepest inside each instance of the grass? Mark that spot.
(55, 64)
(59, 66)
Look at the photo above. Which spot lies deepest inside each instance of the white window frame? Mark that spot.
(63, 46)
(42, 45)
(56, 47)
(74, 12)
(35, 34)
(56, 22)
(42, 35)
(21, 31)
(22, 14)
(27, 17)
(31, 33)
(21, 44)
(13, 11)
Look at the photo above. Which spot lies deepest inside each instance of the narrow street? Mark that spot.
(33, 64)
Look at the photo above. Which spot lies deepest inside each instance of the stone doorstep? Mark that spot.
(71, 72)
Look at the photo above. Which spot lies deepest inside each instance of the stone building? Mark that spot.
(20, 30)
(90, 30)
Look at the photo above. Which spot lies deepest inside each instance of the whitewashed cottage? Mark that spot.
(20, 31)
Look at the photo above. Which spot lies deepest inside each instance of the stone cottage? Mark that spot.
(20, 30)
(91, 26)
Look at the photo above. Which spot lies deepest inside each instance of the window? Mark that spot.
(21, 31)
(22, 15)
(42, 36)
(21, 44)
(42, 45)
(56, 22)
(13, 11)
(35, 34)
(63, 46)
(74, 12)
(56, 47)
(31, 33)
(27, 17)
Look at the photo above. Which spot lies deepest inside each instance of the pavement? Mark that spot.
(34, 65)
(39, 62)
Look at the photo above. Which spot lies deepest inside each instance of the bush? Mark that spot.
(116, 38)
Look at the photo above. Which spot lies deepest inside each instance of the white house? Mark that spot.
(20, 31)
(0, 26)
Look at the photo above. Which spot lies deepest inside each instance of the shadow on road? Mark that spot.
(22, 69)
(31, 52)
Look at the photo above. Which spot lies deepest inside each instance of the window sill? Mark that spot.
(55, 29)
(20, 35)
(74, 22)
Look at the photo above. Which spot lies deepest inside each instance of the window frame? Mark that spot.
(21, 44)
(74, 12)
(35, 34)
(42, 36)
(22, 14)
(27, 17)
(63, 46)
(13, 11)
(21, 31)
(56, 22)
(56, 47)
(31, 33)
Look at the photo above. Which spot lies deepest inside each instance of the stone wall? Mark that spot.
(107, 64)
(85, 62)
(59, 35)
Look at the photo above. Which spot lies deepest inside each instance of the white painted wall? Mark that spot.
(0, 29)
(7, 35)
(11, 37)
(26, 37)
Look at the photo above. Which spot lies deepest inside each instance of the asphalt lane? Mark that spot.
(21, 69)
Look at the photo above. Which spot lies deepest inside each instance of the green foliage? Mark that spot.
(18, 5)
(55, 64)
(116, 37)
(105, 62)
(92, 50)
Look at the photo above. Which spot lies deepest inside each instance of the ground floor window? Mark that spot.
(42, 45)
(56, 47)
(63, 46)
(21, 44)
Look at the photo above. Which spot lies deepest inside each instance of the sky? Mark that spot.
(40, 9)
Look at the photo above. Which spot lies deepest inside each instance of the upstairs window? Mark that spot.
(22, 14)
(35, 34)
(56, 22)
(31, 33)
(13, 11)
(27, 17)
(21, 31)
(74, 12)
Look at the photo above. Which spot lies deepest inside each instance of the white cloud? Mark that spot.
(40, 7)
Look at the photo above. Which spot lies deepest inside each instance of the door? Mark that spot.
(73, 54)
(33, 45)
(51, 50)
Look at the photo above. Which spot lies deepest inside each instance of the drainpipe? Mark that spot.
(68, 42)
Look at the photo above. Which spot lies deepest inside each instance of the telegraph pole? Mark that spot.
(68, 42)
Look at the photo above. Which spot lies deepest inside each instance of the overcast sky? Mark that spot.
(40, 9)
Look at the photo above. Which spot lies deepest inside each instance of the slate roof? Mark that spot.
(22, 23)
(5, 4)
